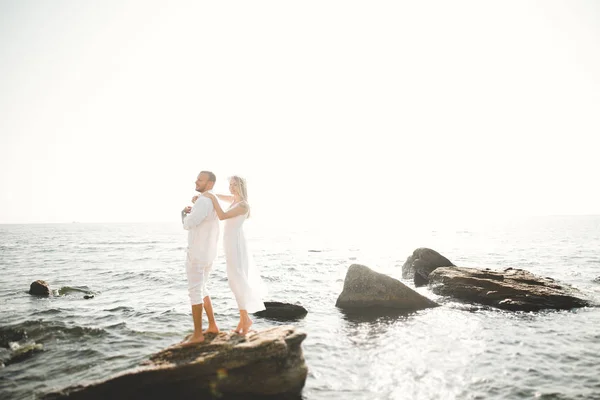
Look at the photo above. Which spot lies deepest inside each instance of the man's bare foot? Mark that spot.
(193, 339)
(211, 329)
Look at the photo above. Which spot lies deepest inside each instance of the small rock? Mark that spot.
(282, 311)
(421, 263)
(39, 288)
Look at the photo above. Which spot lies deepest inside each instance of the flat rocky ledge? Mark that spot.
(511, 289)
(267, 364)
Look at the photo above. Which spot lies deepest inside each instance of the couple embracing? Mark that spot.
(202, 223)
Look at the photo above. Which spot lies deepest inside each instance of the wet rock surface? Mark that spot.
(39, 288)
(421, 263)
(282, 311)
(365, 289)
(511, 289)
(268, 364)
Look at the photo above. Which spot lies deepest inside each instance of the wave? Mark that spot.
(20, 351)
(39, 331)
(50, 311)
(135, 242)
(121, 308)
(24, 340)
(148, 276)
(119, 325)
(44, 250)
(11, 334)
(66, 290)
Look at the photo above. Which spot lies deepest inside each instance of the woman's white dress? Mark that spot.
(244, 278)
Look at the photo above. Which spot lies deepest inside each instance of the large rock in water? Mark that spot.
(367, 289)
(511, 289)
(421, 263)
(39, 288)
(266, 365)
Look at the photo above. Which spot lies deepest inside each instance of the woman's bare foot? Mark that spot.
(239, 328)
(246, 324)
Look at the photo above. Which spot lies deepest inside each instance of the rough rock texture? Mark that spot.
(511, 289)
(39, 288)
(421, 263)
(282, 311)
(265, 365)
(365, 288)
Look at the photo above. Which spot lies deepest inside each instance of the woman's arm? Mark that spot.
(225, 197)
(242, 208)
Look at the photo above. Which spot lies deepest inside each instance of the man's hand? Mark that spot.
(185, 212)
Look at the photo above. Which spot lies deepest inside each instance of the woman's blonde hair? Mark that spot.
(242, 190)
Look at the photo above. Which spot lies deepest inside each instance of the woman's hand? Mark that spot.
(209, 195)
(194, 199)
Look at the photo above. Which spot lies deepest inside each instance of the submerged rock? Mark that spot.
(421, 263)
(39, 288)
(42, 288)
(367, 289)
(511, 289)
(75, 290)
(282, 311)
(21, 352)
(261, 365)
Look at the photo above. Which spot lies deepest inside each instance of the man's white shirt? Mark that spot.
(202, 224)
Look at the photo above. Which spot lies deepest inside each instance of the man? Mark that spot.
(202, 224)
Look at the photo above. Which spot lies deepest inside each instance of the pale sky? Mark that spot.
(330, 109)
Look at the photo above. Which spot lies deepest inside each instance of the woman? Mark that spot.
(243, 278)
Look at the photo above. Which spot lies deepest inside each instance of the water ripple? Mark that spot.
(456, 351)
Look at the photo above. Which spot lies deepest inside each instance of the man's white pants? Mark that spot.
(197, 275)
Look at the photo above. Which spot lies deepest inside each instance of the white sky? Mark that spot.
(331, 109)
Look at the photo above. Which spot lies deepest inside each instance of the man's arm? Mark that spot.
(199, 212)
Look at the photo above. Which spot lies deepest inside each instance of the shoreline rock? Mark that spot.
(511, 289)
(262, 365)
